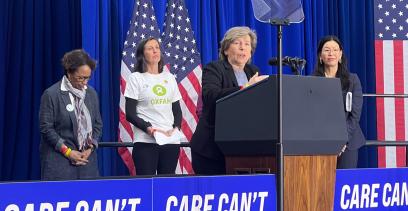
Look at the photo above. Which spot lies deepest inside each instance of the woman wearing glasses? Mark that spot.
(70, 122)
(333, 64)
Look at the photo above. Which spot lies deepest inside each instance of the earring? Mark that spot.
(321, 62)
(340, 61)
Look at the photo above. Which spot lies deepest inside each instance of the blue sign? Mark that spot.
(236, 192)
(371, 189)
(126, 194)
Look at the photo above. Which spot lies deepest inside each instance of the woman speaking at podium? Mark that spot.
(229, 74)
(333, 64)
(70, 122)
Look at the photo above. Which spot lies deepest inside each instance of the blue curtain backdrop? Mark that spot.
(33, 38)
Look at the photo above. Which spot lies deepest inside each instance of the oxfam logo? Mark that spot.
(159, 90)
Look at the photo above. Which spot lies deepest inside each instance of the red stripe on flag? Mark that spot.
(186, 129)
(187, 100)
(194, 81)
(122, 85)
(185, 163)
(399, 102)
(379, 67)
(125, 124)
(127, 158)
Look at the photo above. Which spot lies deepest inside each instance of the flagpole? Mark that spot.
(279, 148)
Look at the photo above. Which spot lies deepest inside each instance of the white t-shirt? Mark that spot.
(155, 94)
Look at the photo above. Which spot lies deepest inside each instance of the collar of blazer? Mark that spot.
(247, 69)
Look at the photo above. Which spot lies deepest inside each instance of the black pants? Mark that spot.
(207, 166)
(348, 159)
(151, 158)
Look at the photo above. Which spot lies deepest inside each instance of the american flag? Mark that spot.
(391, 64)
(183, 60)
(142, 25)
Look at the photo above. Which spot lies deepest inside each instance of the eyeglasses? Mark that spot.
(82, 78)
(327, 51)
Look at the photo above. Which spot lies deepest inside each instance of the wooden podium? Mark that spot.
(314, 131)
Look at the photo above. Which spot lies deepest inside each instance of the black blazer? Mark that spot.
(355, 135)
(218, 81)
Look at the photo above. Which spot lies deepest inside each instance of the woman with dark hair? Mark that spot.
(333, 64)
(152, 106)
(70, 122)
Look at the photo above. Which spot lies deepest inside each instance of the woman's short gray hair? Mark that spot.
(234, 33)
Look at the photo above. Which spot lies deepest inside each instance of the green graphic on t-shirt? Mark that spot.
(159, 90)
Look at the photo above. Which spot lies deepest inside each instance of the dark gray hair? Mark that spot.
(234, 33)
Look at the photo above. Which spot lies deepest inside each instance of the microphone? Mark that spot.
(294, 63)
(274, 61)
(289, 61)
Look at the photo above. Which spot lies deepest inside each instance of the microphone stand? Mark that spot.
(279, 149)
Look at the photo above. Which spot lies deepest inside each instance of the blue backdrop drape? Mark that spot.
(36, 35)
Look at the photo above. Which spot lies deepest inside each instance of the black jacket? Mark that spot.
(218, 81)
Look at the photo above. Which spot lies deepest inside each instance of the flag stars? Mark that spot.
(175, 66)
(177, 47)
(394, 20)
(172, 15)
(192, 51)
(188, 20)
(380, 6)
(192, 60)
(153, 18)
(133, 44)
(132, 65)
(393, 6)
(145, 5)
(184, 58)
(179, 17)
(173, 5)
(132, 55)
(178, 27)
(187, 30)
(180, 7)
(387, 13)
(400, 13)
(387, 28)
(401, 28)
(176, 56)
(406, 35)
(172, 25)
(169, 45)
(380, 35)
(144, 26)
(124, 53)
(134, 34)
(406, 6)
(193, 41)
(171, 35)
(394, 35)
(185, 49)
(178, 36)
(185, 39)
(142, 36)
